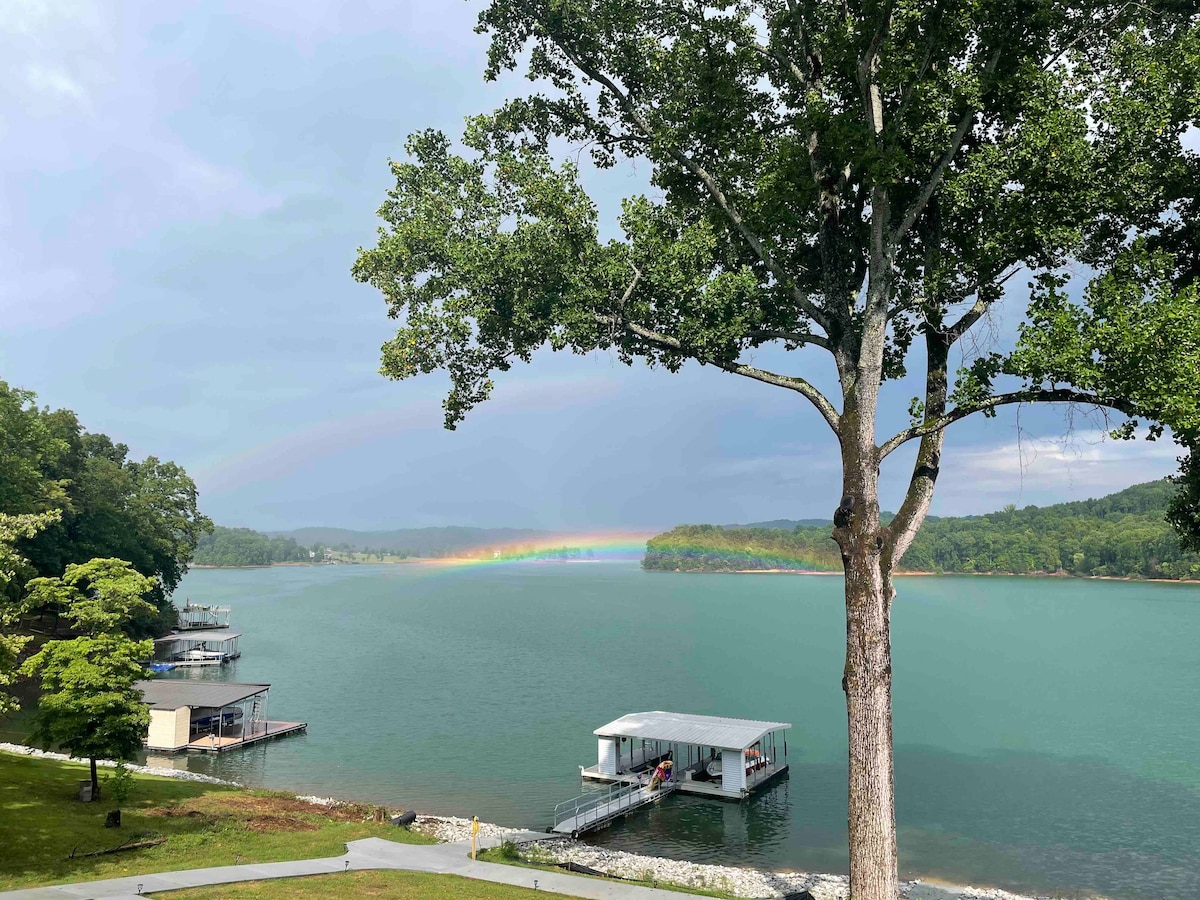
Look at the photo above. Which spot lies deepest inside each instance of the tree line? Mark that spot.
(92, 543)
(1126, 534)
(246, 547)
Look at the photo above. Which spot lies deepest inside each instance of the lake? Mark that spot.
(1047, 730)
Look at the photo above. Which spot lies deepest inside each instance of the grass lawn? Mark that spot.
(386, 885)
(41, 823)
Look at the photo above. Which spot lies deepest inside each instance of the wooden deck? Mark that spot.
(232, 739)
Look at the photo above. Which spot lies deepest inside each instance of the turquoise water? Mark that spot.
(1047, 731)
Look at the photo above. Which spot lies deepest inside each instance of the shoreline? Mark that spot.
(741, 881)
(919, 574)
(420, 560)
(738, 880)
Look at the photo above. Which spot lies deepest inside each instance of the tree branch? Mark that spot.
(811, 309)
(1034, 395)
(791, 337)
(981, 306)
(802, 35)
(910, 89)
(934, 181)
(791, 382)
(1083, 31)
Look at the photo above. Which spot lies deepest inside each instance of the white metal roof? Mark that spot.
(197, 636)
(682, 728)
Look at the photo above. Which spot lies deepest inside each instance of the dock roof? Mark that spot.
(173, 693)
(699, 731)
(221, 635)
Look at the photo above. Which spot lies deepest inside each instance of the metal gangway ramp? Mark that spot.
(596, 809)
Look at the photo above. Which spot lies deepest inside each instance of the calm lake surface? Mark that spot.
(1047, 731)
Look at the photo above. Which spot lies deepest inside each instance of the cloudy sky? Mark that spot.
(185, 186)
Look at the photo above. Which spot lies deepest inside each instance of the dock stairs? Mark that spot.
(596, 809)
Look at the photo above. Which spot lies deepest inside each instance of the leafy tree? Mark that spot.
(89, 704)
(1184, 512)
(12, 565)
(99, 596)
(245, 547)
(144, 512)
(857, 179)
(31, 453)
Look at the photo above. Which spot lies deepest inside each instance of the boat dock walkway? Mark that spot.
(594, 810)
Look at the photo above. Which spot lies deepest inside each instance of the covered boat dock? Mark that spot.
(209, 716)
(712, 756)
(197, 648)
(198, 617)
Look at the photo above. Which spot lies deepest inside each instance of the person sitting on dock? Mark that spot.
(662, 774)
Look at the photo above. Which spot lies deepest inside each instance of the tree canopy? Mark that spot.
(145, 512)
(246, 547)
(864, 180)
(89, 705)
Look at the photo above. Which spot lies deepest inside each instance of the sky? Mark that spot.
(185, 187)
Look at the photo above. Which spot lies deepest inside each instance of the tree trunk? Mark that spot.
(95, 781)
(868, 685)
(867, 680)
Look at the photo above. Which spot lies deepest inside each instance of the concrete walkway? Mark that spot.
(369, 853)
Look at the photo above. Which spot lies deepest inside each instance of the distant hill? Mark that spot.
(426, 542)
(786, 524)
(1121, 535)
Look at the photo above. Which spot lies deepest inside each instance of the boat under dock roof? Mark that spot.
(699, 731)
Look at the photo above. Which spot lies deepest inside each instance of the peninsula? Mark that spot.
(1122, 535)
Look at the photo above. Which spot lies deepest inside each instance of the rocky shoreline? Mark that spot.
(108, 764)
(741, 882)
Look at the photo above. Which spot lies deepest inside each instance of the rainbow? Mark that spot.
(715, 549)
(593, 546)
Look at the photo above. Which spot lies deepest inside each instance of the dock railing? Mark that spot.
(599, 806)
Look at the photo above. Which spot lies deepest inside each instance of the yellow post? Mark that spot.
(474, 833)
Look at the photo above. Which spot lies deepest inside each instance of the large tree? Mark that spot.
(14, 567)
(89, 705)
(862, 180)
(145, 511)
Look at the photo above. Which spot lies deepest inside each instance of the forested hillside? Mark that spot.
(425, 542)
(1122, 535)
(104, 504)
(246, 547)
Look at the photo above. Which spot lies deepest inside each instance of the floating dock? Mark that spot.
(711, 756)
(233, 739)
